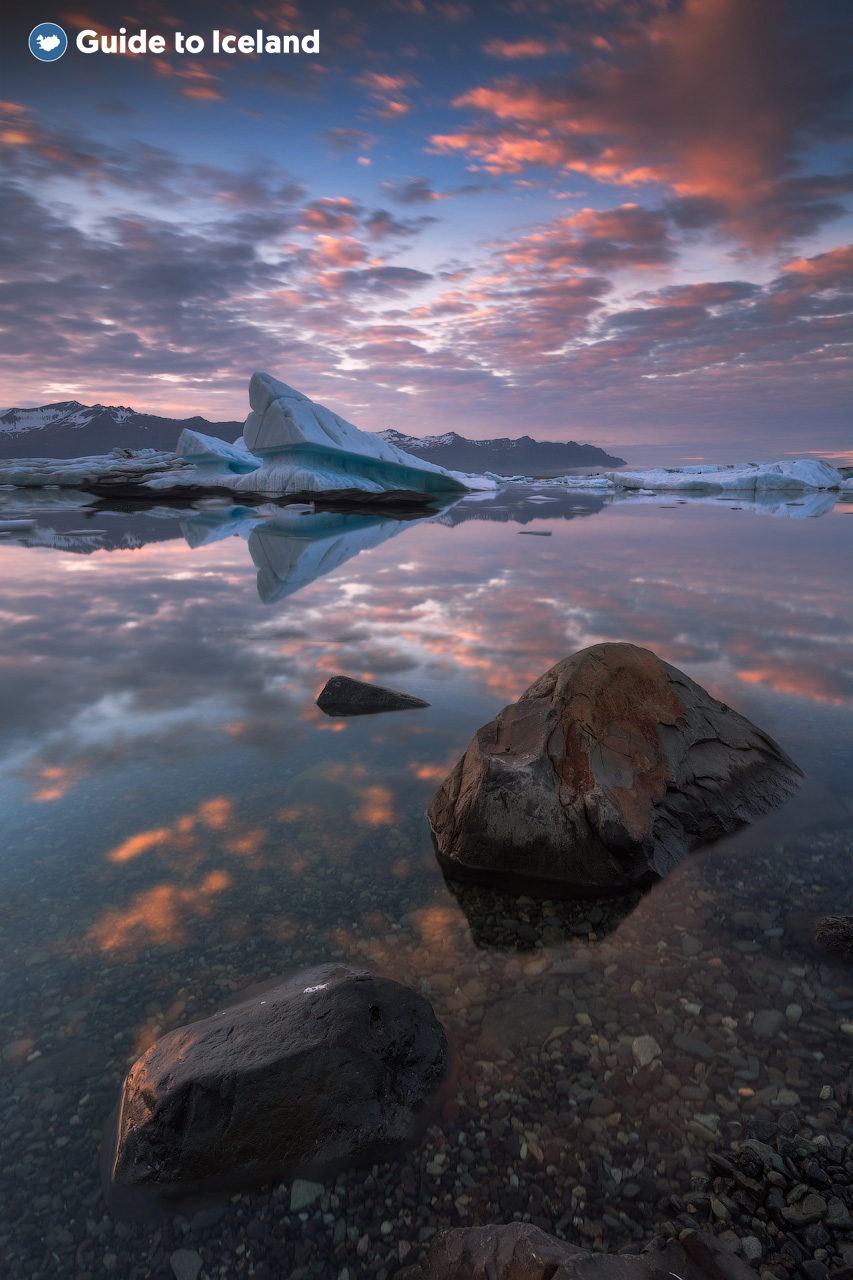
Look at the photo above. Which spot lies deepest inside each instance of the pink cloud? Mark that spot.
(709, 100)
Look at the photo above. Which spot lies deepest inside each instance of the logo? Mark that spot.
(48, 42)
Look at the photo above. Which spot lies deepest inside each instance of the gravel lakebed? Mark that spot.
(626, 1070)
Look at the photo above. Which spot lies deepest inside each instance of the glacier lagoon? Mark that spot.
(183, 823)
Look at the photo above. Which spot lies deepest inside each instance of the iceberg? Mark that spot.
(213, 457)
(306, 448)
(289, 445)
(801, 475)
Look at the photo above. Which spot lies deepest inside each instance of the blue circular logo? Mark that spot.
(48, 42)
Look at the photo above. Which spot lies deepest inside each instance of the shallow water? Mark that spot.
(181, 822)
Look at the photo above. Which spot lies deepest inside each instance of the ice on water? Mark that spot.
(800, 475)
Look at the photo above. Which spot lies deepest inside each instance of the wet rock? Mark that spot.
(332, 1067)
(185, 1264)
(303, 1193)
(644, 1050)
(341, 696)
(604, 774)
(835, 935)
(767, 1023)
(522, 1251)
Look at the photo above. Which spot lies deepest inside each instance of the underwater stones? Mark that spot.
(608, 770)
(329, 1068)
(342, 696)
(835, 935)
(523, 1251)
(523, 1018)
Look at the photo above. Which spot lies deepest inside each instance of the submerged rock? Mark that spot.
(330, 1068)
(522, 1251)
(342, 696)
(603, 775)
(835, 935)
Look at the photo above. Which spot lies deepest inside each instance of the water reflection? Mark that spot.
(182, 822)
(510, 922)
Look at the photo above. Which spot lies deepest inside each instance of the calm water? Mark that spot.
(181, 821)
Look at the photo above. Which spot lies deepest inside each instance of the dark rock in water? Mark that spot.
(331, 1068)
(835, 935)
(522, 1251)
(603, 775)
(342, 696)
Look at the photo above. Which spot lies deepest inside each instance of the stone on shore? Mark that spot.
(330, 1068)
(342, 696)
(522, 1251)
(608, 770)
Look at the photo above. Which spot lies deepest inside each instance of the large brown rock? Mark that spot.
(330, 1068)
(521, 1251)
(603, 775)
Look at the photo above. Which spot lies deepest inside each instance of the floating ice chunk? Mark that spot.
(121, 467)
(305, 447)
(796, 476)
(210, 454)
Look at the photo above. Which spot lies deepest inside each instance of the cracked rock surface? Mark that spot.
(608, 770)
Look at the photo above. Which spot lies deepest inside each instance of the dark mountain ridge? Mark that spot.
(524, 456)
(68, 429)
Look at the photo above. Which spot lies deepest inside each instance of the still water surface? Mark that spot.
(181, 822)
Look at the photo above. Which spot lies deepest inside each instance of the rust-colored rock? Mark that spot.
(521, 1251)
(603, 775)
(330, 1068)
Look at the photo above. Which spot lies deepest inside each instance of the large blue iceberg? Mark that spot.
(292, 445)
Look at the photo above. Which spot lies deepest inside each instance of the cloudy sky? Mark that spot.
(622, 221)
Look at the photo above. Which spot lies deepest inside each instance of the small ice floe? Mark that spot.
(800, 475)
(16, 526)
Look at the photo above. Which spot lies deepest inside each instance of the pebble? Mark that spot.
(767, 1023)
(697, 1048)
(644, 1049)
(185, 1263)
(304, 1193)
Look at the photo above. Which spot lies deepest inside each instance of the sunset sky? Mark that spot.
(621, 221)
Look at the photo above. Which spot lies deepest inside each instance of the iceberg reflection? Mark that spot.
(291, 546)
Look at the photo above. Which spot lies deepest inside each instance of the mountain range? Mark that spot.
(524, 456)
(68, 429)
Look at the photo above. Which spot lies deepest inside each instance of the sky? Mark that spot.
(626, 222)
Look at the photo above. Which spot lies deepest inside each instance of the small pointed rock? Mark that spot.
(342, 696)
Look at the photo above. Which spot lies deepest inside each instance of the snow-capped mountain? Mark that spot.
(69, 429)
(524, 456)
